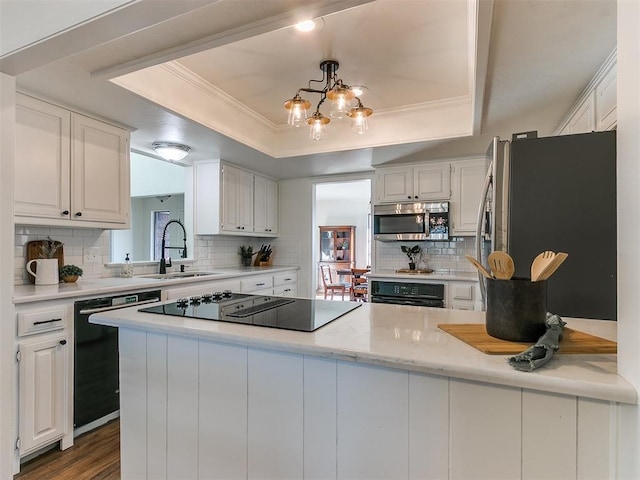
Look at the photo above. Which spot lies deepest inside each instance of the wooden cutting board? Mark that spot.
(34, 250)
(573, 341)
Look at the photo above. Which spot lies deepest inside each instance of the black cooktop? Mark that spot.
(301, 314)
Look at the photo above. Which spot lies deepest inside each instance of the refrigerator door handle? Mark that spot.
(481, 215)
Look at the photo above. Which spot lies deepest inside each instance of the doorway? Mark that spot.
(343, 204)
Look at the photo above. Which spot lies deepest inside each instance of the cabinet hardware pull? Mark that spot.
(409, 197)
(47, 321)
(65, 212)
(63, 342)
(78, 214)
(260, 284)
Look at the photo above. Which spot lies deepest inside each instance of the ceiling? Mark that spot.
(443, 76)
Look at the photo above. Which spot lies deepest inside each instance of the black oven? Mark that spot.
(408, 293)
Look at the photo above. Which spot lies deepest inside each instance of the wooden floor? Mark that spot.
(94, 456)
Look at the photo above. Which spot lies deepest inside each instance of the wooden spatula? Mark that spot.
(553, 266)
(501, 265)
(540, 263)
(479, 266)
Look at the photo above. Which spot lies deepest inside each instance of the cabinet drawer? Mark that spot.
(285, 278)
(38, 321)
(256, 283)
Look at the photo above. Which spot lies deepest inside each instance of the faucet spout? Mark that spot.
(163, 262)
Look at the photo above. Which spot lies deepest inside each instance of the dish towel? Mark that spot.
(540, 353)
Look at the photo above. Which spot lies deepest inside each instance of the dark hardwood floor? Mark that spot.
(94, 456)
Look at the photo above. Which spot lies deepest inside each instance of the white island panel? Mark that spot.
(373, 429)
(275, 415)
(157, 387)
(320, 418)
(485, 431)
(222, 436)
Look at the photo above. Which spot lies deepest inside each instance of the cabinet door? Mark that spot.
(43, 382)
(100, 171)
(432, 182)
(583, 120)
(237, 200)
(394, 184)
(606, 101)
(468, 180)
(265, 206)
(42, 159)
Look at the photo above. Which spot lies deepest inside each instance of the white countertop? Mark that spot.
(101, 286)
(381, 274)
(408, 338)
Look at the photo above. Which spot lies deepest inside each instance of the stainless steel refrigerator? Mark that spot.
(556, 193)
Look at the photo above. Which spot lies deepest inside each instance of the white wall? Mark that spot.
(628, 165)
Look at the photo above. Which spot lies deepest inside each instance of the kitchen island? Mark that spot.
(381, 392)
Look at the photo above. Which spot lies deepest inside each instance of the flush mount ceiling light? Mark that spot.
(344, 103)
(171, 151)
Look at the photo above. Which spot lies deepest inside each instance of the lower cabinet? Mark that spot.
(43, 386)
(462, 295)
(44, 376)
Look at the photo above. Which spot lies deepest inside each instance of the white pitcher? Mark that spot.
(47, 271)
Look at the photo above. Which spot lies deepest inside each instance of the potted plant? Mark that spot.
(70, 273)
(246, 253)
(412, 253)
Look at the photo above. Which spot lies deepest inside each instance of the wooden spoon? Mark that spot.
(479, 266)
(501, 265)
(540, 263)
(553, 266)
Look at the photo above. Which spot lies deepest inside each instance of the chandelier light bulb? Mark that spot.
(318, 126)
(359, 116)
(297, 107)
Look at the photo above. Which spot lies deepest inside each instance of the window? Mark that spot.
(160, 219)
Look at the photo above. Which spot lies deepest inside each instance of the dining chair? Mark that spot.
(359, 285)
(330, 284)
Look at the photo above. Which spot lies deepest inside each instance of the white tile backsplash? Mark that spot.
(443, 257)
(210, 252)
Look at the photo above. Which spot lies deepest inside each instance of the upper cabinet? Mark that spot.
(233, 201)
(431, 181)
(467, 182)
(596, 109)
(70, 170)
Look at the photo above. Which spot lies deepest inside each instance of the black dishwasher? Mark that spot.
(96, 376)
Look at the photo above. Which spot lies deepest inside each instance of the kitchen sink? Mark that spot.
(167, 276)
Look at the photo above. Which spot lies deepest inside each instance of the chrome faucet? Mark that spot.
(163, 261)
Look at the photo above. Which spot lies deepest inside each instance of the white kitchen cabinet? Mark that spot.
(606, 101)
(467, 183)
(265, 205)
(43, 386)
(430, 181)
(71, 170)
(44, 375)
(596, 109)
(226, 198)
(237, 200)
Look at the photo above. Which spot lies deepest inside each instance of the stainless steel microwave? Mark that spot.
(411, 221)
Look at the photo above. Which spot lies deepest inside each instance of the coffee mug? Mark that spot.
(47, 271)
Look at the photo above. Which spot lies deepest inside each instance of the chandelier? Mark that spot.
(344, 103)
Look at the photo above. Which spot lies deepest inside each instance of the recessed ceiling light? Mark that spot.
(306, 26)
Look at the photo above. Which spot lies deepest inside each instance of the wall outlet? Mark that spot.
(92, 255)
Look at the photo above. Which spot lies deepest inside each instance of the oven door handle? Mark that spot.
(401, 301)
(89, 311)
